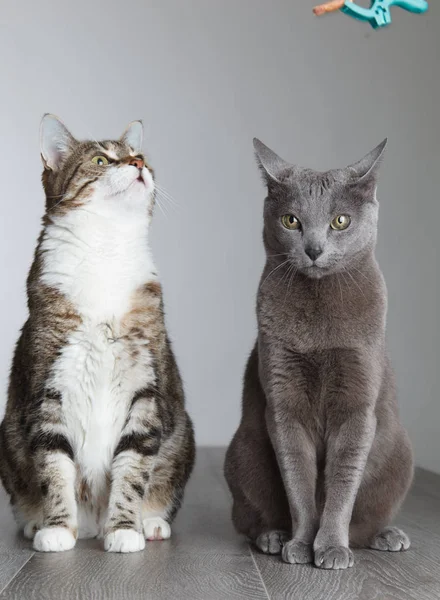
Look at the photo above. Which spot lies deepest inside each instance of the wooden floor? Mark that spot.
(207, 560)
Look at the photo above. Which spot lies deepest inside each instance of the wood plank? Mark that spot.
(14, 550)
(412, 575)
(155, 574)
(375, 576)
(205, 559)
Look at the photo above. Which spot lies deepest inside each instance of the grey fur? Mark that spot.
(320, 452)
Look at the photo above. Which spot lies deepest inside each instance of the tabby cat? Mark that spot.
(95, 440)
(320, 461)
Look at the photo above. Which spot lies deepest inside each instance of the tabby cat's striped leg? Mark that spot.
(133, 463)
(56, 474)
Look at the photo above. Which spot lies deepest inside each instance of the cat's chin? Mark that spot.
(315, 272)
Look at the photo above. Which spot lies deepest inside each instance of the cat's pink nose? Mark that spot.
(137, 162)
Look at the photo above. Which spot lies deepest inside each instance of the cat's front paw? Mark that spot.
(54, 539)
(334, 557)
(297, 552)
(124, 540)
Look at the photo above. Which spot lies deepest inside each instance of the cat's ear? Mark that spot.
(365, 171)
(56, 142)
(271, 165)
(133, 136)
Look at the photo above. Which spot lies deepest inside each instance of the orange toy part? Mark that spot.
(328, 7)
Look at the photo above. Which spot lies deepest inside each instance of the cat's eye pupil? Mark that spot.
(290, 222)
(100, 161)
(340, 222)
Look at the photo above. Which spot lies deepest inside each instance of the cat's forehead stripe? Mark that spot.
(116, 152)
(110, 150)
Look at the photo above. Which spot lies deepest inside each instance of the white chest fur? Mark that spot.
(98, 264)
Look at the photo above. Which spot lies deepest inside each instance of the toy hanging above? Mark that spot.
(378, 15)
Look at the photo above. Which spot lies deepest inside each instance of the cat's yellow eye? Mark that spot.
(340, 222)
(101, 161)
(290, 222)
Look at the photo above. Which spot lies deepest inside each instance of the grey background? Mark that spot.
(206, 77)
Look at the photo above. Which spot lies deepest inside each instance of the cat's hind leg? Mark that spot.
(168, 481)
(268, 534)
(29, 519)
(380, 495)
(42, 485)
(16, 473)
(259, 510)
(269, 538)
(157, 510)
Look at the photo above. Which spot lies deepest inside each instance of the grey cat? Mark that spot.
(320, 461)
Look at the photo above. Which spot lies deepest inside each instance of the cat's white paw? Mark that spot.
(54, 539)
(124, 540)
(156, 528)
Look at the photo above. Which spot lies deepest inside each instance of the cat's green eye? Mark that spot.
(340, 222)
(290, 222)
(101, 161)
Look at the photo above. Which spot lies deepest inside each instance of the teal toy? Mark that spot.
(378, 15)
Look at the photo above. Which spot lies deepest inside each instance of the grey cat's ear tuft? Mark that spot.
(369, 165)
(133, 136)
(271, 164)
(56, 141)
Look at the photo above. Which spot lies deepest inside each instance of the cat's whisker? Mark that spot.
(285, 277)
(96, 142)
(292, 278)
(166, 194)
(276, 269)
(363, 275)
(166, 201)
(346, 283)
(355, 282)
(161, 208)
(340, 288)
(292, 273)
